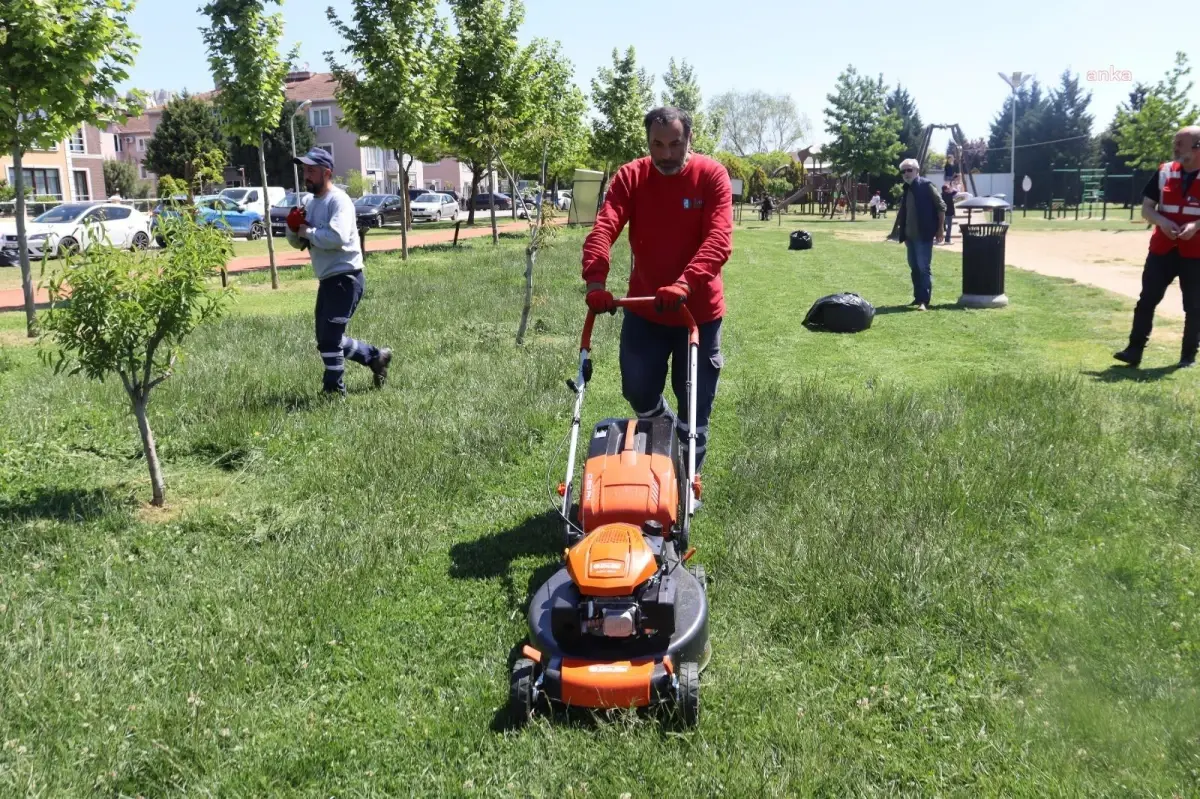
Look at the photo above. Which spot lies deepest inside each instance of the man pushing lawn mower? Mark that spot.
(679, 208)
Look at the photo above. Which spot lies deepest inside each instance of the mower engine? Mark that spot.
(624, 588)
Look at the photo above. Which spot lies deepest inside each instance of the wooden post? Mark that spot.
(457, 225)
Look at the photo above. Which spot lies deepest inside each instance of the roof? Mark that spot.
(315, 86)
(139, 124)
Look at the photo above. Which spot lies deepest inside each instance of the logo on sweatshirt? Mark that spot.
(689, 203)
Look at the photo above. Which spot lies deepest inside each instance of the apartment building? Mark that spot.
(71, 171)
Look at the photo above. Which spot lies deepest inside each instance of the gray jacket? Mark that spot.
(332, 233)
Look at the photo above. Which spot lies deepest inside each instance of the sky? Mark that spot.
(946, 56)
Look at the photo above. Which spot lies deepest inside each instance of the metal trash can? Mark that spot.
(983, 265)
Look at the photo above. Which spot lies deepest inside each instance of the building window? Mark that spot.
(117, 146)
(319, 117)
(77, 144)
(44, 182)
(79, 178)
(141, 144)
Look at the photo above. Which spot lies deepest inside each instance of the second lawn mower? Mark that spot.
(624, 622)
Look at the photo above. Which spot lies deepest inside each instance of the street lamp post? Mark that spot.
(1015, 81)
(296, 169)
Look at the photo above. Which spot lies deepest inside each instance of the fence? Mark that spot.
(8, 210)
(1087, 193)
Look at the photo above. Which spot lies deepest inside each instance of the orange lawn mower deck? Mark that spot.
(624, 622)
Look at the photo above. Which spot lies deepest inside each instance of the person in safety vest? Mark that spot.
(1171, 203)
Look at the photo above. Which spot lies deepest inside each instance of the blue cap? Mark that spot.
(316, 157)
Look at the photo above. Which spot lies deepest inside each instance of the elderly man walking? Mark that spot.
(920, 219)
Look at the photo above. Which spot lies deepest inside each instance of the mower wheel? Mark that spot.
(697, 571)
(689, 694)
(521, 700)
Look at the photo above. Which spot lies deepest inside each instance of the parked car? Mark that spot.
(281, 209)
(251, 197)
(375, 210)
(74, 227)
(216, 210)
(434, 207)
(503, 201)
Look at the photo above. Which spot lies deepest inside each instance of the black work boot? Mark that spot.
(1187, 360)
(1129, 355)
(380, 367)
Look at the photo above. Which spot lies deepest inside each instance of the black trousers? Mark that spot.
(1159, 272)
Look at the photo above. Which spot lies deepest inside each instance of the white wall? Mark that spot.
(985, 185)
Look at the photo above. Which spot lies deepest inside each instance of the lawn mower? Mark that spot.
(624, 622)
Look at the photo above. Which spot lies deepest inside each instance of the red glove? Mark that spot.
(670, 298)
(295, 219)
(601, 301)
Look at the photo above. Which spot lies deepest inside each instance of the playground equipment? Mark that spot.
(958, 138)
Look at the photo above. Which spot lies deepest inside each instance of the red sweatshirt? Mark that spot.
(679, 226)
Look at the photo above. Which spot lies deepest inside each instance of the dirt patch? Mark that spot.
(1111, 260)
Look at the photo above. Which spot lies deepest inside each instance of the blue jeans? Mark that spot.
(920, 257)
(337, 298)
(645, 349)
(949, 228)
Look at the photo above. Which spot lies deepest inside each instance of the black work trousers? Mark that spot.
(1158, 273)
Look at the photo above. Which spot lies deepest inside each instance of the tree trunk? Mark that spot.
(150, 450)
(474, 191)
(530, 259)
(31, 328)
(492, 203)
(262, 169)
(405, 195)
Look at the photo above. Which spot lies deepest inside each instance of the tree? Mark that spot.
(188, 144)
(129, 313)
(243, 54)
(912, 131)
(1106, 145)
(756, 122)
(621, 95)
(553, 127)
(488, 84)
(120, 178)
(394, 93)
(865, 136)
(1144, 135)
(356, 184)
(277, 148)
(1053, 131)
(63, 60)
(683, 91)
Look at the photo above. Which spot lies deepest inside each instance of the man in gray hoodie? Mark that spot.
(328, 227)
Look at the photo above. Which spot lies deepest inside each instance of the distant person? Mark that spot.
(676, 203)
(1171, 202)
(874, 205)
(767, 207)
(920, 218)
(329, 228)
(949, 170)
(948, 195)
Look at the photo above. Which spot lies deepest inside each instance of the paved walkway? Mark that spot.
(287, 258)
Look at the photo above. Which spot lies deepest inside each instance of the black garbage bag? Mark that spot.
(840, 313)
(800, 240)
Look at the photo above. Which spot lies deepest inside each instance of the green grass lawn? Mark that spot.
(956, 554)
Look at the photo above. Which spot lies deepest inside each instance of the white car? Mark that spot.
(434, 207)
(73, 227)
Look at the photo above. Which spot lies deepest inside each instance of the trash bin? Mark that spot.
(983, 265)
(998, 215)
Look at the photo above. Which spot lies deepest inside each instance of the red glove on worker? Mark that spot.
(601, 301)
(295, 219)
(670, 298)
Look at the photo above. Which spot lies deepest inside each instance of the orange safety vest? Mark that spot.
(1179, 208)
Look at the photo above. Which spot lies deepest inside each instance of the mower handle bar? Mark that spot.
(638, 302)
